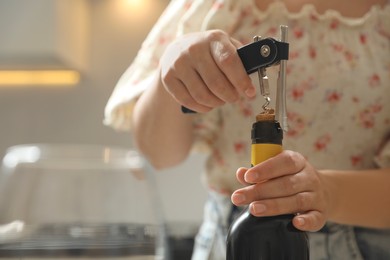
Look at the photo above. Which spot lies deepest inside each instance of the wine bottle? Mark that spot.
(266, 238)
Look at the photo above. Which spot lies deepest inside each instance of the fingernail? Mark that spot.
(300, 221)
(238, 198)
(259, 208)
(250, 92)
(251, 177)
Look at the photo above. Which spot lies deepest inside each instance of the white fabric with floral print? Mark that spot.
(338, 84)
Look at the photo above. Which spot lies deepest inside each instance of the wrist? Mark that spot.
(331, 190)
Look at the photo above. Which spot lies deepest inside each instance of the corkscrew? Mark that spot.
(263, 53)
(257, 57)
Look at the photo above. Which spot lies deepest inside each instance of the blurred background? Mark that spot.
(89, 44)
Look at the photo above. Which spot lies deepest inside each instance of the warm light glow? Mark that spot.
(39, 77)
(134, 3)
(135, 10)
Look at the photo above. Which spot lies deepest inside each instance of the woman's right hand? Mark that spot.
(203, 71)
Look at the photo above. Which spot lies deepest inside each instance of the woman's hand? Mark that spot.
(285, 184)
(203, 71)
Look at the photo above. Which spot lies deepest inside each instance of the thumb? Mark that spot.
(309, 221)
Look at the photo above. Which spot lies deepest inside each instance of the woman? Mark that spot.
(338, 107)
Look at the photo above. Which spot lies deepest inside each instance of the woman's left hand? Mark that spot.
(285, 184)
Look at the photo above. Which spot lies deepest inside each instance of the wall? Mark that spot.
(74, 115)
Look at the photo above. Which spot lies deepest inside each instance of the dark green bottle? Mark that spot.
(266, 238)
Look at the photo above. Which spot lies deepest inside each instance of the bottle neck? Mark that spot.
(267, 139)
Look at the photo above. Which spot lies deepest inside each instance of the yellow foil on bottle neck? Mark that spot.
(262, 152)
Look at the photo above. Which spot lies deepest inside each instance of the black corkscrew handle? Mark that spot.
(253, 56)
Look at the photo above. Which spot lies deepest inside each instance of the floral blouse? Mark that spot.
(338, 84)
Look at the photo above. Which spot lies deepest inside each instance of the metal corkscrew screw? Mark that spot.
(280, 107)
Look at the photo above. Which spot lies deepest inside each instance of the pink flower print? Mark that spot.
(163, 39)
(363, 38)
(272, 31)
(256, 23)
(289, 69)
(245, 12)
(333, 96)
(298, 33)
(382, 30)
(355, 99)
(187, 5)
(239, 147)
(293, 55)
(218, 157)
(296, 124)
(155, 62)
(374, 80)
(337, 47)
(245, 108)
(247, 111)
(334, 24)
(314, 17)
(376, 108)
(135, 81)
(217, 6)
(312, 52)
(322, 142)
(349, 56)
(298, 91)
(356, 160)
(366, 117)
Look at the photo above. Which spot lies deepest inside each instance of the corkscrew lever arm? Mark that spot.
(280, 107)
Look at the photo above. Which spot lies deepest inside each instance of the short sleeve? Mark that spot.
(138, 76)
(180, 17)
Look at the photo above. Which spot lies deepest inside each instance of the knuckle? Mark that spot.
(301, 202)
(216, 34)
(226, 56)
(223, 52)
(257, 191)
(220, 88)
(190, 103)
(294, 159)
(217, 85)
(193, 50)
(315, 181)
(200, 97)
(168, 76)
(290, 184)
(244, 82)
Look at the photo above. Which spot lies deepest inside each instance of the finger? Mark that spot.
(296, 186)
(180, 93)
(309, 221)
(240, 175)
(217, 81)
(184, 71)
(301, 202)
(285, 186)
(285, 163)
(236, 43)
(226, 57)
(199, 91)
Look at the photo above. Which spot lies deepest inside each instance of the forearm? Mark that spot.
(359, 198)
(160, 130)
